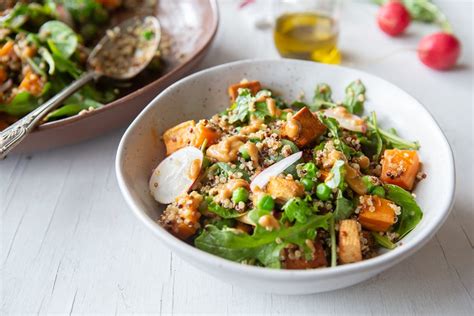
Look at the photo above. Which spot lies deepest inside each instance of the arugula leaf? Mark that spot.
(240, 110)
(383, 241)
(261, 245)
(21, 104)
(224, 169)
(333, 127)
(61, 38)
(220, 210)
(344, 207)
(322, 96)
(355, 97)
(377, 138)
(297, 209)
(332, 234)
(336, 175)
(411, 213)
(392, 140)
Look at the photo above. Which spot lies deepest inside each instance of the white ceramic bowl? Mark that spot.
(203, 94)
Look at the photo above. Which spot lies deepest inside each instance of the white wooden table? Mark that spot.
(71, 245)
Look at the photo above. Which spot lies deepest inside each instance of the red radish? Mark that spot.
(274, 170)
(439, 50)
(176, 174)
(393, 18)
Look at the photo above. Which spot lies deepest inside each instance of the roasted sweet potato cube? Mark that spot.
(303, 127)
(182, 219)
(319, 259)
(205, 133)
(254, 87)
(349, 241)
(6, 48)
(400, 167)
(282, 189)
(179, 136)
(376, 214)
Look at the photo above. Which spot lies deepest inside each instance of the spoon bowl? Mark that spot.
(126, 49)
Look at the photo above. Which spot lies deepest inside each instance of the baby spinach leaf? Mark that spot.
(355, 97)
(224, 169)
(336, 175)
(411, 213)
(61, 38)
(297, 209)
(21, 104)
(261, 245)
(344, 207)
(220, 210)
(383, 241)
(67, 66)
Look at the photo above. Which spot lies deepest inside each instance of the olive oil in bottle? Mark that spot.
(309, 36)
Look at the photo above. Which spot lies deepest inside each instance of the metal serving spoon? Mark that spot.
(121, 54)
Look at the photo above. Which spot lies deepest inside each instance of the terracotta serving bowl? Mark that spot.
(203, 94)
(191, 26)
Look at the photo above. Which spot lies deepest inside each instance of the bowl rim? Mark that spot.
(127, 97)
(386, 260)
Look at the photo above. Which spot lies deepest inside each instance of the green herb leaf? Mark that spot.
(297, 209)
(344, 207)
(261, 110)
(355, 97)
(383, 241)
(411, 213)
(240, 110)
(261, 245)
(61, 38)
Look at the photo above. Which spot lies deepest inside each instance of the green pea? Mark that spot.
(244, 153)
(266, 203)
(378, 190)
(368, 183)
(308, 184)
(240, 195)
(310, 169)
(323, 192)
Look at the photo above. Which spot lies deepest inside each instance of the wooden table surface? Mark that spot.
(69, 244)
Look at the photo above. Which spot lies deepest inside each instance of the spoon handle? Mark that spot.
(15, 133)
